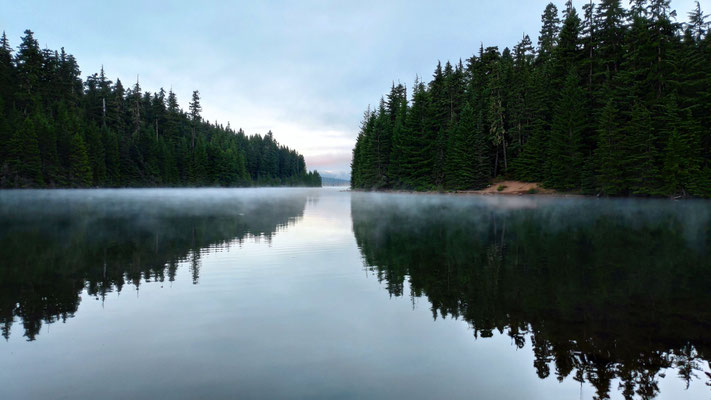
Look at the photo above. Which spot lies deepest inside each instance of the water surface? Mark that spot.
(320, 293)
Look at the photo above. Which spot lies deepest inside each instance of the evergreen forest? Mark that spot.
(611, 101)
(57, 130)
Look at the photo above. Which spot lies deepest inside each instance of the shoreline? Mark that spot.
(514, 188)
(500, 188)
(472, 193)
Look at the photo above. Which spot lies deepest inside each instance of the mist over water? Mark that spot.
(323, 293)
(609, 292)
(67, 240)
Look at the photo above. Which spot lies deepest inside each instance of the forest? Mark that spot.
(57, 130)
(611, 101)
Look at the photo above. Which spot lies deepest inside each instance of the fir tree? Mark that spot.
(25, 156)
(80, 174)
(565, 153)
(418, 141)
(549, 32)
(610, 152)
(195, 110)
(644, 157)
(470, 153)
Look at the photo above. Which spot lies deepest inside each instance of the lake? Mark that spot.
(324, 293)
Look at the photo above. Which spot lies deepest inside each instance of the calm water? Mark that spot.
(319, 293)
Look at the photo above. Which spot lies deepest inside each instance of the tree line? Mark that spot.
(611, 101)
(57, 130)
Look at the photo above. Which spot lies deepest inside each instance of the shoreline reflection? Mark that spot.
(55, 245)
(604, 290)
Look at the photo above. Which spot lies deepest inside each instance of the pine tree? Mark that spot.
(530, 165)
(567, 51)
(96, 156)
(80, 174)
(417, 160)
(683, 172)
(565, 152)
(470, 153)
(25, 156)
(610, 152)
(198, 165)
(549, 33)
(135, 107)
(643, 153)
(438, 119)
(47, 140)
(195, 110)
(395, 170)
(380, 146)
(497, 127)
(111, 157)
(520, 112)
(675, 169)
(609, 30)
(29, 67)
(7, 75)
(697, 26)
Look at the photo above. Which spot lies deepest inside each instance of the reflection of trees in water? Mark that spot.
(600, 290)
(49, 257)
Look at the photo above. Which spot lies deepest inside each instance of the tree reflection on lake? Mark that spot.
(602, 289)
(54, 245)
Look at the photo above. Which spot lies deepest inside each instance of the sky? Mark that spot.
(306, 70)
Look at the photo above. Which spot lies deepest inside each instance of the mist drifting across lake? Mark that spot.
(324, 293)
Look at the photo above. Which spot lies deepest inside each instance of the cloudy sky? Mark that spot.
(304, 69)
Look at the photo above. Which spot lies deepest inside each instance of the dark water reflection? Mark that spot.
(603, 289)
(54, 245)
(262, 294)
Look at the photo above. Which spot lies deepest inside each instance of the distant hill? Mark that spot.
(326, 181)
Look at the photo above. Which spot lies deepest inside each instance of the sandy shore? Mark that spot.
(510, 188)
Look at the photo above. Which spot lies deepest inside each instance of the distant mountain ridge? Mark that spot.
(328, 181)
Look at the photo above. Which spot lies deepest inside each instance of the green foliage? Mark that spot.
(616, 103)
(468, 156)
(59, 131)
(610, 152)
(565, 153)
(79, 167)
(24, 156)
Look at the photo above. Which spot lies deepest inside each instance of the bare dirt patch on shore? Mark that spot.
(513, 188)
